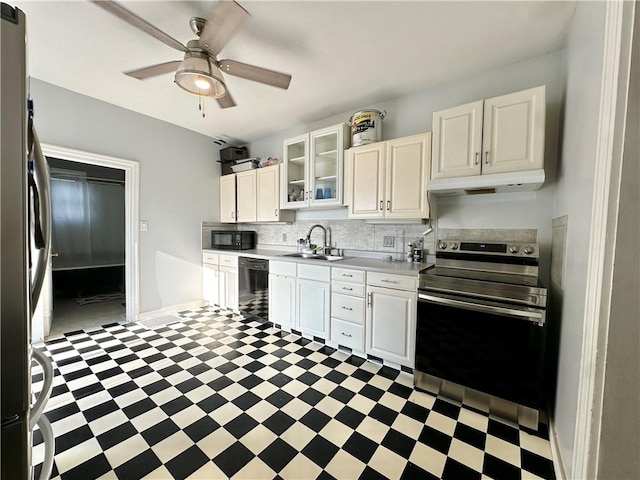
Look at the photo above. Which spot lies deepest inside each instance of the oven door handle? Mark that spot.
(525, 314)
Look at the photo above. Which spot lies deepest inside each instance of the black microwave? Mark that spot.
(233, 239)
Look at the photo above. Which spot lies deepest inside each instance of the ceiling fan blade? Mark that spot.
(154, 70)
(141, 24)
(257, 74)
(226, 101)
(223, 21)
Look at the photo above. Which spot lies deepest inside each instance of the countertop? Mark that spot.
(358, 263)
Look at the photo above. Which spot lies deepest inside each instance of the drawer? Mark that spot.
(347, 275)
(348, 288)
(228, 260)
(314, 272)
(288, 269)
(208, 257)
(347, 308)
(347, 334)
(389, 280)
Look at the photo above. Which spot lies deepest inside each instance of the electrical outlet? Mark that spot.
(284, 237)
(388, 241)
(144, 226)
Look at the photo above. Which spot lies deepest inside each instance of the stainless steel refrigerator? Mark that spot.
(25, 219)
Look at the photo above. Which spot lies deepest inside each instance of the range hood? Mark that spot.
(526, 181)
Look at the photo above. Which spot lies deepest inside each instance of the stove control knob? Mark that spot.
(443, 245)
(528, 250)
(454, 246)
(514, 249)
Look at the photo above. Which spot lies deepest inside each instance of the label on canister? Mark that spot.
(366, 127)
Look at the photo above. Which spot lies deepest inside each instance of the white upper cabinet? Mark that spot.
(388, 179)
(513, 134)
(268, 193)
(295, 166)
(457, 141)
(407, 174)
(228, 198)
(313, 168)
(498, 135)
(252, 196)
(246, 196)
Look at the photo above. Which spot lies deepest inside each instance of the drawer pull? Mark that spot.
(384, 280)
(347, 308)
(346, 334)
(347, 275)
(345, 288)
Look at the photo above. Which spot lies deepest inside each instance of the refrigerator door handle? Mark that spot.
(45, 393)
(43, 199)
(49, 447)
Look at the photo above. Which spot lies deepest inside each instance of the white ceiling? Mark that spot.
(343, 55)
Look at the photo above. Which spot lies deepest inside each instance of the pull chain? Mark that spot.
(201, 105)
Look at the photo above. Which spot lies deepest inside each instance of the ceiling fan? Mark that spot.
(200, 71)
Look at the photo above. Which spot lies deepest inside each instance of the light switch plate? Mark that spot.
(144, 226)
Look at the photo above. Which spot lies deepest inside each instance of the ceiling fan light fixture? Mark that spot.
(198, 75)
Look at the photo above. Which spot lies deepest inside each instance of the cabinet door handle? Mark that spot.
(232, 214)
(486, 158)
(380, 204)
(388, 205)
(347, 308)
(275, 212)
(370, 299)
(346, 334)
(477, 158)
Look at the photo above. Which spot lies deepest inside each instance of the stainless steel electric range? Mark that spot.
(480, 328)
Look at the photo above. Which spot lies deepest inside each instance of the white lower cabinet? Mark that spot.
(210, 278)
(391, 318)
(210, 284)
(299, 297)
(220, 280)
(313, 304)
(229, 288)
(282, 299)
(347, 308)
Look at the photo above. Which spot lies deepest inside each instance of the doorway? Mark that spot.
(100, 285)
(87, 245)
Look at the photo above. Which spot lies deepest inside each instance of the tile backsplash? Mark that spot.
(346, 234)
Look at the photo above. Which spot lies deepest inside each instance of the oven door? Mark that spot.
(492, 347)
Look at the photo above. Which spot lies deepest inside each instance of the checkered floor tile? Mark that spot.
(219, 396)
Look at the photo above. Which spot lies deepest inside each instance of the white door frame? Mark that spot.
(132, 200)
(593, 357)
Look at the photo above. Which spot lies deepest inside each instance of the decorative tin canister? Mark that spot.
(366, 127)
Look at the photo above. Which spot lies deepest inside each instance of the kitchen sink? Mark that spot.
(315, 256)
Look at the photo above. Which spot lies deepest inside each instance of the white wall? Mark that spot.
(178, 183)
(574, 194)
(412, 114)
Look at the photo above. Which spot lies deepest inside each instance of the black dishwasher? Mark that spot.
(253, 288)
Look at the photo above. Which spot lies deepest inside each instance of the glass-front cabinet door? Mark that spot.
(326, 165)
(314, 165)
(296, 166)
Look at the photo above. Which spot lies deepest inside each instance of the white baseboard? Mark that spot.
(169, 310)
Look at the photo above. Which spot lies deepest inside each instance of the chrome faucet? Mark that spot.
(326, 247)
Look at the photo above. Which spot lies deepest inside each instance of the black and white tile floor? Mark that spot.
(218, 396)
